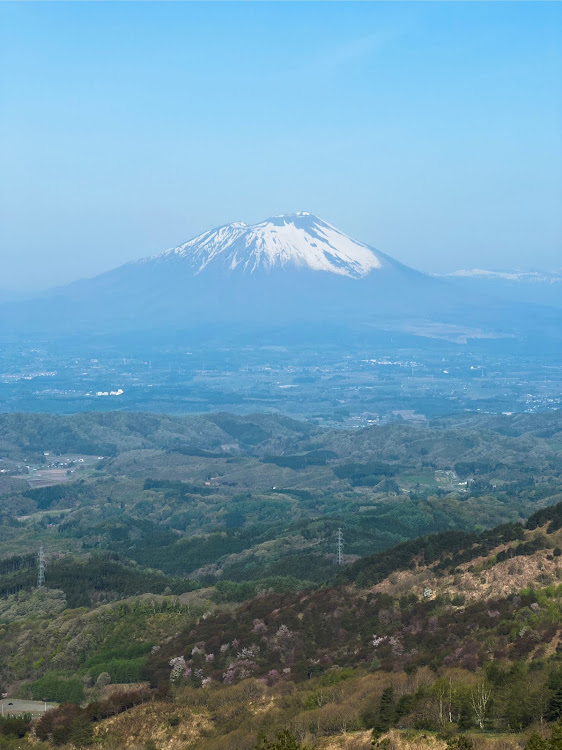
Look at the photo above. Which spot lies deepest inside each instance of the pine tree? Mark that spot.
(386, 710)
(555, 742)
(81, 732)
(536, 742)
(461, 742)
(284, 741)
(465, 716)
(555, 685)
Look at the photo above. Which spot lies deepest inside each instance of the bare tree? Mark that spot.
(480, 696)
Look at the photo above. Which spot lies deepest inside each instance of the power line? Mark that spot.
(340, 547)
(41, 572)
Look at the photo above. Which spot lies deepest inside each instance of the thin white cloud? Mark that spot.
(351, 51)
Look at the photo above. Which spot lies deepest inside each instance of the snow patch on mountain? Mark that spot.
(299, 240)
(549, 277)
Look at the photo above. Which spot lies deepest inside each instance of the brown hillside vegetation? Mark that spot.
(483, 577)
(327, 717)
(416, 740)
(376, 655)
(168, 725)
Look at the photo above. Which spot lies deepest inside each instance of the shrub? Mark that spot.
(51, 687)
(14, 726)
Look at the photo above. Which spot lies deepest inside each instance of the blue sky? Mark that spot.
(433, 131)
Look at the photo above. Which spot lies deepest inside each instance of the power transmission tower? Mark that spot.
(340, 547)
(41, 572)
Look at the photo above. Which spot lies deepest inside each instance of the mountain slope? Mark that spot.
(395, 595)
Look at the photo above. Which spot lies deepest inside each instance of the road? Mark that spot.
(17, 707)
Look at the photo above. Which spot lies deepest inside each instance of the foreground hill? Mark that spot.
(427, 601)
(374, 651)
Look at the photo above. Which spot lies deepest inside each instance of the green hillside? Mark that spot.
(192, 587)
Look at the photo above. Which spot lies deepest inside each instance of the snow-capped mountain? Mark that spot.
(536, 287)
(287, 272)
(298, 240)
(540, 277)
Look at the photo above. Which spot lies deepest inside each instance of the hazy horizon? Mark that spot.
(429, 131)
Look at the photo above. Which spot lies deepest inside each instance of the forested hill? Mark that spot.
(451, 576)
(443, 613)
(244, 499)
(112, 433)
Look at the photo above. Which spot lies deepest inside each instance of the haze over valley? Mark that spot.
(289, 314)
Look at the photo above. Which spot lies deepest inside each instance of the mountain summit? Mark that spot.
(298, 240)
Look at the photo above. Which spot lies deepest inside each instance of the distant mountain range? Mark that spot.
(534, 277)
(535, 287)
(292, 270)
